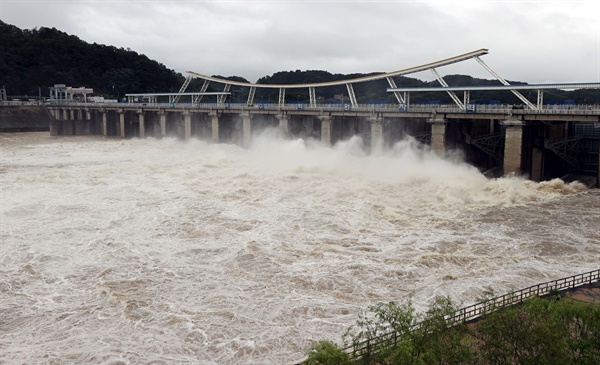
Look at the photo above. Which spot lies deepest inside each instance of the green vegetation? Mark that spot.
(37, 59)
(550, 331)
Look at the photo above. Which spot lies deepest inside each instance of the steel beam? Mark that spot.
(352, 96)
(198, 98)
(451, 93)
(399, 97)
(183, 87)
(504, 82)
(281, 97)
(566, 148)
(221, 98)
(491, 144)
(312, 97)
(250, 100)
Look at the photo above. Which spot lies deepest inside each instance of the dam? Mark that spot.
(502, 139)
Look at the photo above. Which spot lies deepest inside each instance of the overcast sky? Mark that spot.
(530, 41)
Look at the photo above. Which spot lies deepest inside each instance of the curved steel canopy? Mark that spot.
(427, 66)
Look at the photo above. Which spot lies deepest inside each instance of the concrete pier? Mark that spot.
(376, 133)
(104, 122)
(283, 123)
(325, 130)
(187, 125)
(438, 136)
(122, 123)
(246, 129)
(215, 125)
(513, 147)
(163, 123)
(142, 123)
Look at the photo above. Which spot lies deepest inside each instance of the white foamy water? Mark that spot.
(166, 252)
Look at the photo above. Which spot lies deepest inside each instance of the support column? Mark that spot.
(513, 147)
(376, 133)
(104, 122)
(122, 122)
(86, 117)
(53, 127)
(598, 179)
(163, 123)
(246, 129)
(187, 125)
(438, 136)
(325, 129)
(283, 123)
(142, 124)
(215, 126)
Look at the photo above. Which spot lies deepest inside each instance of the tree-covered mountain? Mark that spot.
(36, 59)
(31, 61)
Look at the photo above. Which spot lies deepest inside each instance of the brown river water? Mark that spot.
(170, 252)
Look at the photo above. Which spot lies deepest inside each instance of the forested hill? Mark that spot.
(40, 58)
(34, 60)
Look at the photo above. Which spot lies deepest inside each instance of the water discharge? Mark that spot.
(162, 251)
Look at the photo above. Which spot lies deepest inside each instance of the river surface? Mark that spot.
(170, 252)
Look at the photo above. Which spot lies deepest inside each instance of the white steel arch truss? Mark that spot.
(351, 95)
(445, 84)
(504, 82)
(402, 99)
(198, 98)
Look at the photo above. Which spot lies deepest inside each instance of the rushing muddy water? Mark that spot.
(169, 252)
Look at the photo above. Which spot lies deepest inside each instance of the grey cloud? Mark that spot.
(532, 42)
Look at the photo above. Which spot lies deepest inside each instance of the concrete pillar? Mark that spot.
(376, 134)
(142, 124)
(122, 123)
(246, 129)
(598, 179)
(187, 125)
(104, 122)
(163, 123)
(325, 130)
(53, 127)
(215, 125)
(438, 136)
(537, 164)
(513, 147)
(68, 129)
(283, 123)
(79, 127)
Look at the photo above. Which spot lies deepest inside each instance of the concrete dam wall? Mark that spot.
(26, 118)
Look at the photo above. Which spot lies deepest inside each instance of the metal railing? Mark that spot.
(477, 310)
(488, 306)
(506, 109)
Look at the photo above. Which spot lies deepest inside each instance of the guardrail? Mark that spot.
(477, 310)
(588, 109)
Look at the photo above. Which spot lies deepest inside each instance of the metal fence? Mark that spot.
(479, 309)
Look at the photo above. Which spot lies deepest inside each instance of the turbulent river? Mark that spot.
(169, 252)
